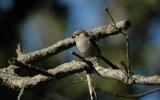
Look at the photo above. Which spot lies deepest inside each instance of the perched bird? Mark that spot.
(88, 47)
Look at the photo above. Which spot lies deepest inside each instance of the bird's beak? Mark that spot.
(73, 36)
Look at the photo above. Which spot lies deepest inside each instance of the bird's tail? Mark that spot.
(109, 62)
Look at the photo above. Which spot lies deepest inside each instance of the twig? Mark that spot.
(83, 59)
(114, 66)
(127, 54)
(107, 10)
(13, 61)
(114, 24)
(127, 66)
(78, 56)
(92, 92)
(124, 66)
(138, 95)
(78, 81)
(20, 93)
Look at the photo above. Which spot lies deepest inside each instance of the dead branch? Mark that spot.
(96, 33)
(9, 78)
(12, 80)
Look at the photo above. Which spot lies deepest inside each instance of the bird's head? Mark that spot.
(80, 33)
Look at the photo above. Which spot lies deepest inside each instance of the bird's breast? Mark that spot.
(85, 46)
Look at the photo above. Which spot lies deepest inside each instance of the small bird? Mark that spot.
(88, 47)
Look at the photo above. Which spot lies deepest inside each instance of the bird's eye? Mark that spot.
(78, 34)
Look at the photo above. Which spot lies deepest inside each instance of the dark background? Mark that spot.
(37, 24)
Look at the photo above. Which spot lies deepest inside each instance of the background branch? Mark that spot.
(136, 95)
(96, 33)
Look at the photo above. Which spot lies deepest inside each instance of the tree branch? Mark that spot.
(96, 33)
(122, 76)
(9, 78)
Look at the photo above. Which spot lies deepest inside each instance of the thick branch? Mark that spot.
(97, 33)
(8, 77)
(121, 75)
